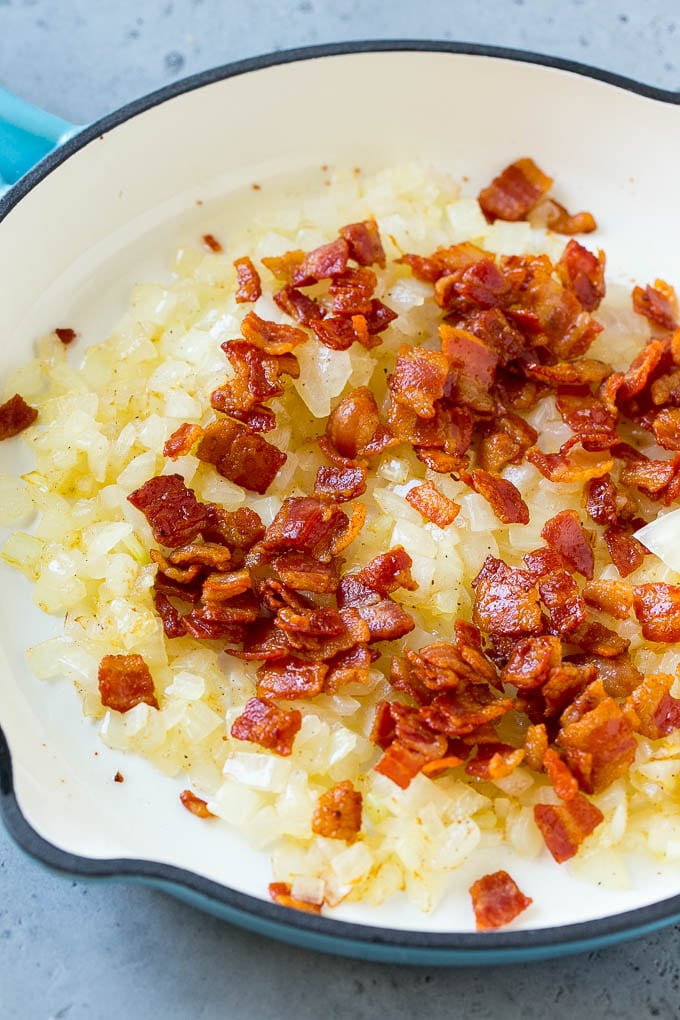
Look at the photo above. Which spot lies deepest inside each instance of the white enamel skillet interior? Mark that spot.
(106, 211)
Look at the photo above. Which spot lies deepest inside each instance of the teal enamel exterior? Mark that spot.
(27, 134)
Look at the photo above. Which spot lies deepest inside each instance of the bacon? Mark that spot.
(649, 476)
(583, 273)
(262, 641)
(531, 661)
(581, 372)
(363, 240)
(305, 524)
(211, 243)
(302, 572)
(388, 572)
(506, 600)
(182, 441)
(565, 826)
(350, 292)
(263, 723)
(637, 375)
(257, 377)
(350, 667)
(238, 529)
(195, 805)
(497, 900)
(658, 304)
(298, 305)
(220, 587)
(386, 619)
(562, 222)
(441, 666)
(514, 192)
(414, 745)
(666, 426)
(601, 500)
(565, 535)
(240, 456)
(600, 640)
(564, 683)
(175, 515)
(432, 504)
(503, 496)
(418, 379)
(337, 814)
(314, 622)
(290, 679)
(474, 363)
(66, 335)
(657, 607)
(611, 597)
(173, 625)
(280, 893)
(125, 681)
(461, 711)
(353, 423)
(586, 415)
(507, 444)
(655, 712)
(284, 266)
(563, 601)
(339, 333)
(564, 782)
(190, 592)
(535, 746)
(15, 416)
(273, 338)
(199, 554)
(544, 561)
(479, 285)
(340, 483)
(249, 284)
(203, 628)
(599, 747)
(494, 761)
(326, 261)
(618, 674)
(558, 467)
(626, 552)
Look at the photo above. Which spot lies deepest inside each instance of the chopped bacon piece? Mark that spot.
(587, 416)
(337, 814)
(125, 681)
(350, 292)
(594, 637)
(657, 607)
(649, 476)
(326, 261)
(658, 304)
(565, 826)
(274, 338)
(474, 363)
(514, 192)
(196, 805)
(583, 272)
(239, 455)
(569, 373)
(601, 500)
(353, 423)
(290, 679)
(249, 285)
(666, 428)
(564, 683)
(303, 572)
(497, 900)
(340, 483)
(173, 625)
(506, 600)
(626, 552)
(531, 661)
(418, 379)
(617, 673)
(263, 641)
(298, 305)
(67, 336)
(562, 599)
(494, 761)
(535, 746)
(339, 333)
(365, 246)
(280, 892)
(15, 416)
(415, 745)
(220, 587)
(599, 747)
(460, 711)
(562, 222)
(386, 619)
(181, 575)
(211, 243)
(638, 373)
(175, 515)
(656, 713)
(557, 467)
(564, 782)
(284, 266)
(506, 444)
(202, 554)
(565, 535)
(388, 571)
(611, 597)
(350, 667)
(263, 723)
(480, 285)
(182, 440)
(238, 529)
(314, 622)
(503, 496)
(305, 524)
(432, 504)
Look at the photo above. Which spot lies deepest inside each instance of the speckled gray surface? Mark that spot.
(69, 950)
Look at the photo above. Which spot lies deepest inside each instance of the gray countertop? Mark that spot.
(72, 950)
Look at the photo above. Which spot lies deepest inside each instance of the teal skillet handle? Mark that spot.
(27, 133)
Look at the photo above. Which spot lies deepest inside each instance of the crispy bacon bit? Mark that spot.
(175, 515)
(564, 782)
(280, 892)
(125, 681)
(326, 261)
(249, 285)
(274, 338)
(666, 428)
(350, 667)
(337, 814)
(15, 416)
(639, 371)
(340, 483)
(656, 713)
(657, 607)
(415, 745)
(535, 746)
(457, 713)
(657, 303)
(298, 305)
(182, 441)
(303, 572)
(339, 333)
(239, 455)
(562, 599)
(626, 552)
(67, 336)
(506, 444)
(601, 500)
(531, 661)
(211, 243)
(238, 529)
(558, 467)
(565, 826)
(173, 625)
(503, 496)
(284, 266)
(365, 246)
(291, 679)
(497, 900)
(562, 222)
(388, 571)
(611, 597)
(432, 504)
(506, 600)
(515, 192)
(599, 747)
(265, 724)
(474, 364)
(649, 476)
(418, 379)
(494, 761)
(119, 777)
(220, 587)
(196, 805)
(353, 424)
(564, 533)
(305, 524)
(583, 273)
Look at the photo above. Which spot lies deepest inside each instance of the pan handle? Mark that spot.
(27, 133)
